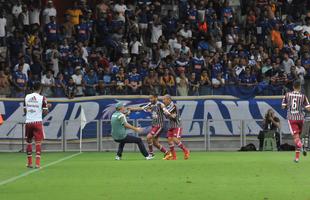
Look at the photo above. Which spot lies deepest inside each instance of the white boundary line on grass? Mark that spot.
(10, 180)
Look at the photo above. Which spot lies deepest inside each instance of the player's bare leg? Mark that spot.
(298, 146)
(38, 154)
(186, 152)
(29, 154)
(149, 139)
(159, 146)
(172, 155)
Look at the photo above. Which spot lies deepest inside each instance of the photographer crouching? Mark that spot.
(271, 123)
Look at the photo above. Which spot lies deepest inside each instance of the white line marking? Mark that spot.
(10, 180)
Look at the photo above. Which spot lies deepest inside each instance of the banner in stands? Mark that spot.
(193, 113)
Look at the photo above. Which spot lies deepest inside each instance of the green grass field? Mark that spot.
(207, 175)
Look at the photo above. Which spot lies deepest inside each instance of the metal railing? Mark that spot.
(198, 134)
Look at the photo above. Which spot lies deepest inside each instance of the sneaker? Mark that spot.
(168, 156)
(117, 158)
(149, 157)
(186, 154)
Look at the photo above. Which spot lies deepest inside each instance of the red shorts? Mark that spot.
(34, 130)
(156, 131)
(174, 132)
(295, 126)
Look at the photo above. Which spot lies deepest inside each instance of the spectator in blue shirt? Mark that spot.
(90, 24)
(64, 50)
(198, 63)
(82, 30)
(217, 74)
(60, 86)
(76, 59)
(247, 79)
(170, 24)
(37, 67)
(51, 31)
(227, 11)
(19, 82)
(107, 81)
(192, 14)
(134, 82)
(203, 44)
(91, 83)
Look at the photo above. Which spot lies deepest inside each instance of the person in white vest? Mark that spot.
(35, 105)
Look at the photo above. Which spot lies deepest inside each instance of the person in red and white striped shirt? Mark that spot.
(295, 102)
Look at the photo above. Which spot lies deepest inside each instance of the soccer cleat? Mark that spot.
(38, 167)
(168, 156)
(296, 160)
(186, 154)
(29, 166)
(149, 157)
(117, 158)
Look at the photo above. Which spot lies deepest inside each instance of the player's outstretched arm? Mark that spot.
(136, 129)
(134, 109)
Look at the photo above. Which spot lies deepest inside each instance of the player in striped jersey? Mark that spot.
(157, 109)
(175, 129)
(295, 102)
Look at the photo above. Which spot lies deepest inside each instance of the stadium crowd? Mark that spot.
(179, 47)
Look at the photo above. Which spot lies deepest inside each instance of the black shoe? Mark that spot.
(304, 152)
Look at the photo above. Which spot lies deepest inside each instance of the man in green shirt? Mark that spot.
(119, 125)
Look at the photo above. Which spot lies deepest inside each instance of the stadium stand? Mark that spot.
(82, 48)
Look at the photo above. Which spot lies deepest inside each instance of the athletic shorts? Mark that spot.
(295, 126)
(156, 131)
(34, 131)
(174, 132)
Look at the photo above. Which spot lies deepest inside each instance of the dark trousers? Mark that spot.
(131, 139)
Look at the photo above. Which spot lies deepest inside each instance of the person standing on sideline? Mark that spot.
(119, 125)
(35, 105)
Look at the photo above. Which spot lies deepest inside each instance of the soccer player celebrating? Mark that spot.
(35, 105)
(157, 109)
(294, 102)
(175, 129)
(119, 126)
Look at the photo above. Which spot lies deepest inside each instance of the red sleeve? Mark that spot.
(44, 103)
